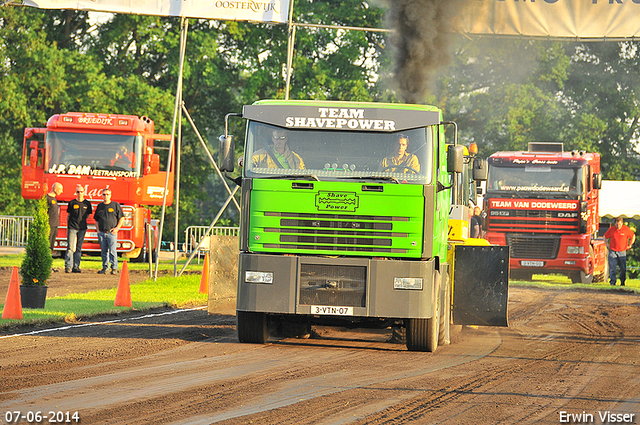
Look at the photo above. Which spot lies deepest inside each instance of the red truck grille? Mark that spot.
(526, 246)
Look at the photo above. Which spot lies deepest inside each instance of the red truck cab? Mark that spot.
(97, 151)
(543, 203)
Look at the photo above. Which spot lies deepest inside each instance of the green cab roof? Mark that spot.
(342, 116)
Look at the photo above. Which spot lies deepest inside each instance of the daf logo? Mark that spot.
(567, 214)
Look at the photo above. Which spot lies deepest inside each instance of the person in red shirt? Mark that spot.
(619, 238)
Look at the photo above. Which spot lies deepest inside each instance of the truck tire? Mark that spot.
(252, 327)
(586, 279)
(423, 334)
(444, 334)
(136, 256)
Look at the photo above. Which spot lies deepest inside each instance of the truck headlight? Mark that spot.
(407, 283)
(258, 277)
(575, 250)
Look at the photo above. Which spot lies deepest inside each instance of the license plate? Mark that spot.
(532, 263)
(331, 311)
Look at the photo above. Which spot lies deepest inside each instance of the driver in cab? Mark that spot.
(280, 156)
(400, 161)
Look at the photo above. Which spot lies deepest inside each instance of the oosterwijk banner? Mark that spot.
(228, 10)
(551, 18)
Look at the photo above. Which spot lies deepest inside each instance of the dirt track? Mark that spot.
(566, 352)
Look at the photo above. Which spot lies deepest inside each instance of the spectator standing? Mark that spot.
(78, 211)
(619, 238)
(474, 227)
(54, 212)
(109, 219)
(477, 214)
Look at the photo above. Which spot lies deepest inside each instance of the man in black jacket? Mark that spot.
(78, 211)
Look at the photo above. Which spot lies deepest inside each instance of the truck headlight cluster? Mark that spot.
(407, 283)
(575, 250)
(258, 277)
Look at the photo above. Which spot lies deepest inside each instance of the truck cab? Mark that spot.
(543, 203)
(98, 151)
(344, 221)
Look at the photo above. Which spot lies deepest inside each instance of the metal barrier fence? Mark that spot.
(194, 234)
(14, 230)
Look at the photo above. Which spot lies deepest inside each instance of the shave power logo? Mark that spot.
(337, 201)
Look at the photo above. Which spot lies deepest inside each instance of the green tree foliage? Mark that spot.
(505, 93)
(502, 92)
(603, 89)
(36, 265)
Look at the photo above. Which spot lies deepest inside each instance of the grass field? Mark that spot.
(178, 292)
(559, 282)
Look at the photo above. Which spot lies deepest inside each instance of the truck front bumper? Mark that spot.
(358, 287)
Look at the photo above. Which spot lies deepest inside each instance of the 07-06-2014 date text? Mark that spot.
(40, 417)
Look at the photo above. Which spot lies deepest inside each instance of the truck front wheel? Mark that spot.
(423, 334)
(252, 326)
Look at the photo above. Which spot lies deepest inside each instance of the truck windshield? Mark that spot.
(535, 179)
(93, 154)
(405, 157)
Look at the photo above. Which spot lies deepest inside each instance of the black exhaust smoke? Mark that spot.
(422, 29)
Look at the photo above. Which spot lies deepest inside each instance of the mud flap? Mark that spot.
(481, 285)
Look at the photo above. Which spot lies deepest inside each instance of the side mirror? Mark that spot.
(151, 163)
(597, 181)
(455, 159)
(33, 158)
(480, 169)
(226, 153)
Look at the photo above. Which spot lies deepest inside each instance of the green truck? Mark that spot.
(345, 222)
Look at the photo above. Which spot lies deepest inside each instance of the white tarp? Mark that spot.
(620, 198)
(229, 10)
(551, 18)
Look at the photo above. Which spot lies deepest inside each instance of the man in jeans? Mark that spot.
(619, 238)
(78, 211)
(109, 219)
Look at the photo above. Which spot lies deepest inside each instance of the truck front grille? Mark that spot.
(533, 247)
(340, 233)
(343, 286)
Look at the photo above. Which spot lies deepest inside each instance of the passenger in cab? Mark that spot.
(400, 161)
(123, 158)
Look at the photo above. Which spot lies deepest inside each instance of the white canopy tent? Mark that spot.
(620, 198)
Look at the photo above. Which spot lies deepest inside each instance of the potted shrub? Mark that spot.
(36, 266)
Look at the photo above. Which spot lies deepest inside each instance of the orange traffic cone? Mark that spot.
(204, 280)
(13, 304)
(123, 296)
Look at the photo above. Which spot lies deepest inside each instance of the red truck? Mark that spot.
(543, 203)
(98, 151)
